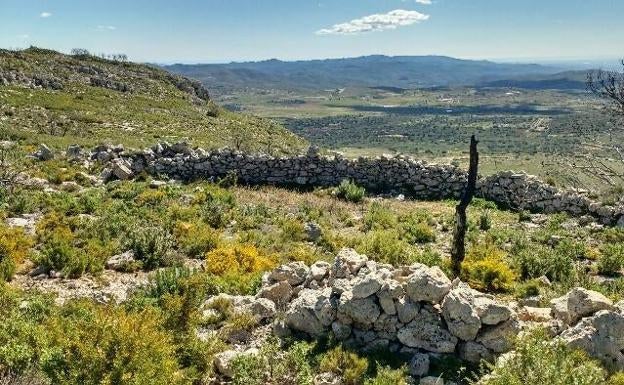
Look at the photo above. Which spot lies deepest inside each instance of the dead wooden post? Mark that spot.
(458, 251)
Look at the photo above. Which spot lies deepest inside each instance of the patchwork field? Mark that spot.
(544, 132)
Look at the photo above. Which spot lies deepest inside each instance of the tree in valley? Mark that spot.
(606, 160)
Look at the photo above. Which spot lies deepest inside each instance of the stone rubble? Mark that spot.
(416, 309)
(366, 305)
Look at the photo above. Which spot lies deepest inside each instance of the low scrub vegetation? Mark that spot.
(349, 191)
(197, 240)
(540, 361)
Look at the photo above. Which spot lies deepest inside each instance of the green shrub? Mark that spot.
(196, 239)
(239, 268)
(530, 288)
(613, 235)
(248, 370)
(611, 259)
(524, 216)
(388, 376)
(23, 339)
(347, 365)
(485, 221)
(349, 191)
(539, 361)
(616, 379)
(539, 260)
(58, 253)
(167, 281)
(379, 217)
(428, 257)
(385, 246)
(418, 233)
(95, 346)
(216, 205)
(152, 246)
(292, 368)
(252, 216)
(292, 230)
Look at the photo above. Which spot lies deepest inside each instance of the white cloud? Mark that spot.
(45, 14)
(24, 36)
(425, 2)
(106, 28)
(376, 22)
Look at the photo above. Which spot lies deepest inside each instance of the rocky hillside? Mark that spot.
(85, 99)
(157, 281)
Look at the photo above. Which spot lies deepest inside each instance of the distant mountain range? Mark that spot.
(379, 71)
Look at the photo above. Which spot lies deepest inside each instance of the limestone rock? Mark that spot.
(474, 352)
(427, 332)
(601, 336)
(362, 312)
(294, 273)
(431, 381)
(366, 286)
(223, 361)
(578, 303)
(348, 262)
(387, 303)
(280, 292)
(406, 310)
(427, 284)
(499, 338)
(261, 308)
(534, 314)
(460, 313)
(73, 151)
(313, 231)
(489, 310)
(120, 261)
(69, 186)
(121, 170)
(419, 365)
(319, 270)
(44, 153)
(340, 330)
(327, 379)
(311, 312)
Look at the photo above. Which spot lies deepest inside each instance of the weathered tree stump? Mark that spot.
(458, 251)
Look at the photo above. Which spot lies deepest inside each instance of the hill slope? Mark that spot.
(368, 71)
(84, 99)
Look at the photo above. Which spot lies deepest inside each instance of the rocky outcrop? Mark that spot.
(44, 153)
(579, 303)
(601, 336)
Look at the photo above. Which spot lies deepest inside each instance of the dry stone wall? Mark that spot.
(400, 174)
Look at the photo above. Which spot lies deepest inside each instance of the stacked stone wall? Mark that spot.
(401, 174)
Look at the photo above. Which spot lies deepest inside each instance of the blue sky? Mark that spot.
(224, 30)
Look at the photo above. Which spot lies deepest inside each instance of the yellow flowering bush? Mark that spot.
(485, 269)
(237, 259)
(14, 247)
